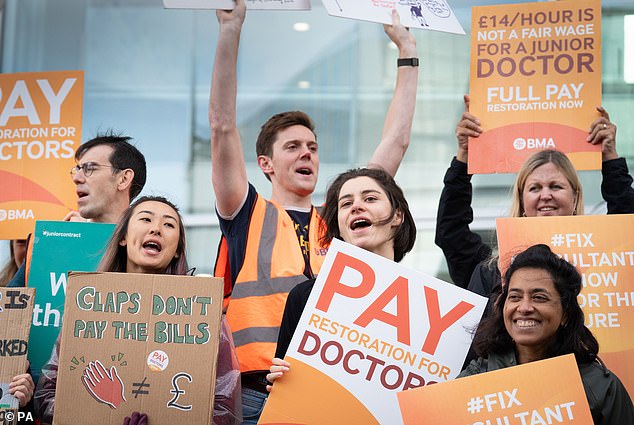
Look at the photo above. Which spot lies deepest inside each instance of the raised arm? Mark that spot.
(468, 126)
(463, 248)
(616, 187)
(228, 172)
(398, 122)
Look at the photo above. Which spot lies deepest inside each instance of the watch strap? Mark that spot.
(407, 62)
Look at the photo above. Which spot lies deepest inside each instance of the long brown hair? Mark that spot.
(116, 256)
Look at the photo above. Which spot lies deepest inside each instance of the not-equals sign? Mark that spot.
(140, 385)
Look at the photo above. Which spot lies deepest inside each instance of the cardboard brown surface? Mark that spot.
(16, 311)
(138, 342)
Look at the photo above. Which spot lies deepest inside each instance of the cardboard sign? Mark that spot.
(510, 396)
(138, 342)
(16, 308)
(230, 4)
(602, 250)
(425, 14)
(535, 82)
(40, 129)
(59, 247)
(370, 328)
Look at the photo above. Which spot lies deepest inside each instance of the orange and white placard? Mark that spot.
(511, 396)
(370, 328)
(535, 82)
(40, 129)
(602, 249)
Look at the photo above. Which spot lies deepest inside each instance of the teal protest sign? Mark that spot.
(58, 247)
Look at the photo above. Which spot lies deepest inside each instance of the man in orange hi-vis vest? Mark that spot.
(269, 246)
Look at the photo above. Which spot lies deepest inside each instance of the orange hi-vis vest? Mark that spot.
(273, 265)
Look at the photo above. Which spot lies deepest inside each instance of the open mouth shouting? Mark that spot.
(305, 171)
(360, 223)
(152, 247)
(81, 195)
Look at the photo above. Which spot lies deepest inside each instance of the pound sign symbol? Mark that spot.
(177, 391)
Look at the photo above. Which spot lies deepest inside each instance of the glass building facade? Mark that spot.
(148, 71)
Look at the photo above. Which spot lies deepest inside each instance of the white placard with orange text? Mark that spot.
(602, 249)
(370, 328)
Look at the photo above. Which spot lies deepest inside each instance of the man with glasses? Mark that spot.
(109, 174)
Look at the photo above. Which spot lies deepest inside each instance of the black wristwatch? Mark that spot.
(407, 62)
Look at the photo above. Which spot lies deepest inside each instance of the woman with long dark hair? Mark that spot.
(364, 207)
(150, 238)
(536, 316)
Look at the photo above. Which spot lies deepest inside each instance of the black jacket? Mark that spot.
(464, 250)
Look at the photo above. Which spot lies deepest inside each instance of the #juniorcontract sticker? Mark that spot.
(157, 361)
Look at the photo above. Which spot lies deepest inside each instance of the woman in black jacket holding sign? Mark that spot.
(150, 238)
(536, 316)
(546, 185)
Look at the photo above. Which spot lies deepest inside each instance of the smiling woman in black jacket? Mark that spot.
(536, 316)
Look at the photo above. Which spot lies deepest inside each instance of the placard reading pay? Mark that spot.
(371, 327)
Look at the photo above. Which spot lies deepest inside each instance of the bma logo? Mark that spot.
(543, 143)
(16, 215)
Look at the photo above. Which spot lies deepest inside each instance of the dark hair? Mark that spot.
(572, 336)
(405, 235)
(124, 156)
(278, 122)
(116, 256)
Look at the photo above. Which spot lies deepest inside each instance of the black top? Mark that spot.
(463, 248)
(236, 232)
(293, 310)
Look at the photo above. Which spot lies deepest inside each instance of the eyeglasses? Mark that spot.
(89, 168)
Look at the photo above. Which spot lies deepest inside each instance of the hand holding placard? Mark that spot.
(106, 387)
(135, 418)
(22, 387)
(603, 132)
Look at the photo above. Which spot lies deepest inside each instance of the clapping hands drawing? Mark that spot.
(105, 386)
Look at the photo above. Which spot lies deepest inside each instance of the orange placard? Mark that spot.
(371, 327)
(602, 249)
(535, 82)
(505, 396)
(40, 129)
